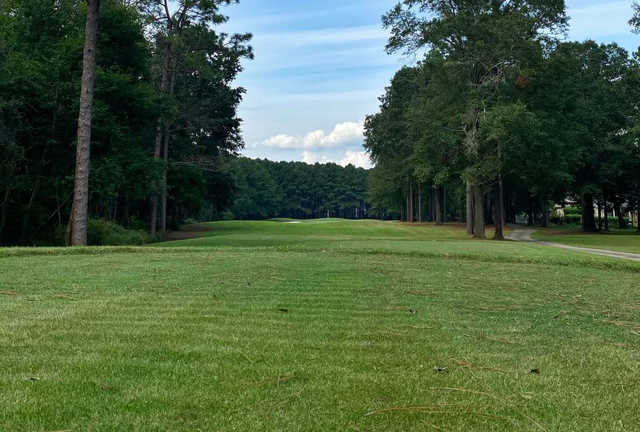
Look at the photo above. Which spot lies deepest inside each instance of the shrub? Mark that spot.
(574, 219)
(567, 219)
(613, 222)
(106, 233)
(572, 211)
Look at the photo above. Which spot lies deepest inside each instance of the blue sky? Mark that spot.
(320, 66)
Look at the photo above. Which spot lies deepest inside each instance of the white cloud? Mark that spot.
(312, 158)
(281, 141)
(355, 158)
(342, 133)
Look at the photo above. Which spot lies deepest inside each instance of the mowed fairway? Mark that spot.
(319, 326)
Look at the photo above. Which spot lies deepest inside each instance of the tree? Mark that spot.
(80, 208)
(180, 37)
(483, 40)
(39, 110)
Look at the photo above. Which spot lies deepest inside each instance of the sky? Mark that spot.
(320, 66)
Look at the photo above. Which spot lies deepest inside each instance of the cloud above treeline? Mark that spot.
(341, 134)
(359, 159)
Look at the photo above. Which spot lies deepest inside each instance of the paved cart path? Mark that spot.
(524, 235)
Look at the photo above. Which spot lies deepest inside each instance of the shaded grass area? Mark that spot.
(616, 240)
(410, 329)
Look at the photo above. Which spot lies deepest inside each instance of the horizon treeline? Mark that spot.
(501, 118)
(164, 114)
(265, 189)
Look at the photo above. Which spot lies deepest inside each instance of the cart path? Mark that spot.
(524, 235)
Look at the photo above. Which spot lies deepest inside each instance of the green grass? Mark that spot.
(319, 326)
(616, 240)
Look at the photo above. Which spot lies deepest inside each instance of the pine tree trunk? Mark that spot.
(420, 202)
(403, 209)
(606, 213)
(444, 204)
(157, 148)
(438, 204)
(547, 216)
(410, 204)
(80, 218)
(478, 216)
(588, 219)
(499, 211)
(600, 215)
(617, 207)
(167, 136)
(163, 193)
(469, 202)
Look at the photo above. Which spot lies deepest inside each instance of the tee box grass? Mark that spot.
(319, 326)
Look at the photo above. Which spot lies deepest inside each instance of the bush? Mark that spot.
(613, 222)
(106, 233)
(572, 211)
(573, 219)
(570, 219)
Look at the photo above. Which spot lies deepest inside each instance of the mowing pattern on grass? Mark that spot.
(338, 326)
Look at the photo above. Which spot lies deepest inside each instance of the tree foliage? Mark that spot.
(266, 189)
(40, 69)
(527, 122)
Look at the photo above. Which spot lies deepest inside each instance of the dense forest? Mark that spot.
(265, 189)
(501, 118)
(164, 113)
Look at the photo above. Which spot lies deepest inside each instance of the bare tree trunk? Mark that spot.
(499, 211)
(617, 208)
(469, 209)
(547, 216)
(606, 213)
(403, 209)
(600, 215)
(79, 218)
(478, 219)
(163, 192)
(157, 150)
(420, 202)
(410, 204)
(165, 151)
(588, 220)
(438, 204)
(444, 204)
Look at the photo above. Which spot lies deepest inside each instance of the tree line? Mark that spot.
(155, 120)
(502, 118)
(266, 189)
